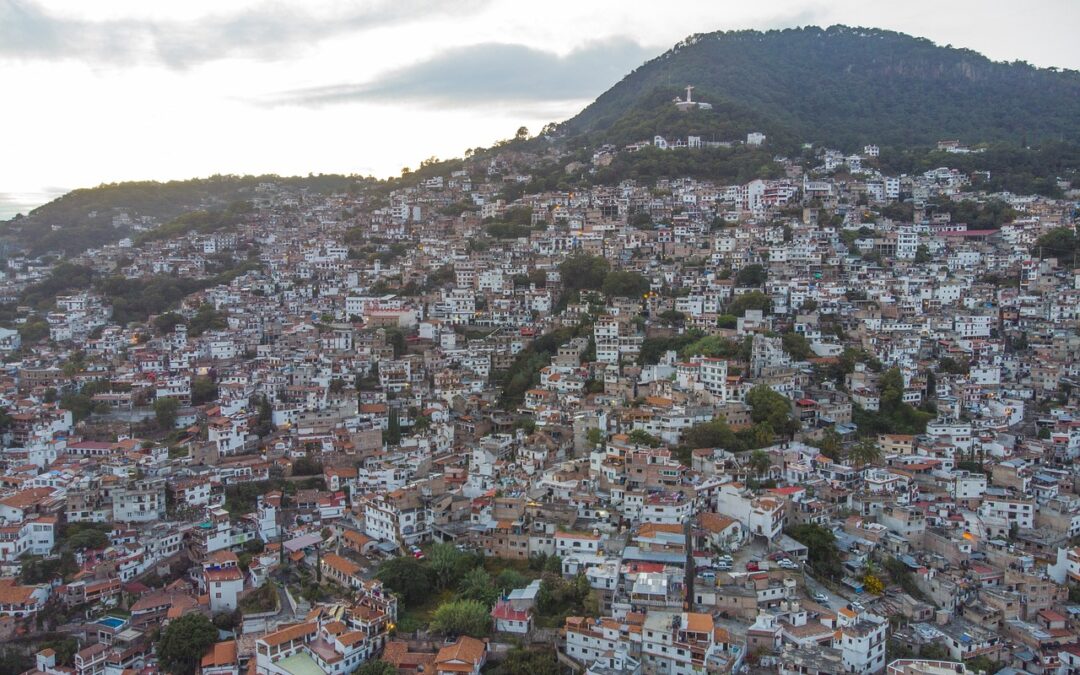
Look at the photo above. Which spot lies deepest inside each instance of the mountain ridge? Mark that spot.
(845, 86)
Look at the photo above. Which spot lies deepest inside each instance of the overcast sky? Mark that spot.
(115, 90)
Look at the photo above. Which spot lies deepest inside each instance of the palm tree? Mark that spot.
(866, 451)
(759, 462)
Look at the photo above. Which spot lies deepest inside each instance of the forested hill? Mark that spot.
(838, 86)
(86, 218)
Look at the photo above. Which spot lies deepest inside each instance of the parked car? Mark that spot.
(820, 597)
(752, 566)
(788, 564)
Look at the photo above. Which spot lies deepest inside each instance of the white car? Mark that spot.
(788, 565)
(820, 597)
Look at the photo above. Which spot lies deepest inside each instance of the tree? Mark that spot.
(583, 272)
(203, 390)
(448, 564)
(619, 283)
(183, 643)
(822, 552)
(872, 584)
(751, 300)
(829, 444)
(797, 345)
(934, 651)
(376, 667)
(462, 617)
(594, 436)
(770, 407)
(165, 412)
(751, 275)
(509, 579)
(84, 536)
(406, 576)
(866, 451)
(759, 462)
(392, 435)
(714, 434)
(307, 466)
(1058, 243)
(642, 437)
(477, 585)
(533, 662)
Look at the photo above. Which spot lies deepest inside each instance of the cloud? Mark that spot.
(488, 74)
(267, 31)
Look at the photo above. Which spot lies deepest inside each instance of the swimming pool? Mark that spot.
(113, 622)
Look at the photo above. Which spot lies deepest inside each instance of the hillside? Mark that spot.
(84, 218)
(838, 86)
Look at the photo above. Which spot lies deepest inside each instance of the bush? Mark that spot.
(462, 617)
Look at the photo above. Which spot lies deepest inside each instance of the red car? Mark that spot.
(752, 566)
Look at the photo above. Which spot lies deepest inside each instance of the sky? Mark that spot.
(98, 91)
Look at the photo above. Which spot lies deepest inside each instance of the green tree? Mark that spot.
(376, 667)
(203, 390)
(1058, 243)
(642, 437)
(533, 662)
(583, 272)
(797, 345)
(759, 462)
(751, 275)
(165, 412)
(866, 451)
(509, 579)
(407, 577)
(462, 617)
(770, 407)
(594, 436)
(448, 564)
(307, 466)
(619, 283)
(477, 585)
(183, 643)
(829, 444)
(822, 552)
(751, 300)
(392, 435)
(714, 434)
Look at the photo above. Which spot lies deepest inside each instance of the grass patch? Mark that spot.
(417, 617)
(262, 599)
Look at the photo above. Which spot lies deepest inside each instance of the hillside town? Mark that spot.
(819, 422)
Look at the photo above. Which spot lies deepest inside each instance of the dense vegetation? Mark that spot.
(840, 86)
(85, 216)
(134, 299)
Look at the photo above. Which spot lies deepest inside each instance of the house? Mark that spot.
(467, 655)
(220, 659)
(223, 581)
(510, 620)
(21, 601)
(342, 570)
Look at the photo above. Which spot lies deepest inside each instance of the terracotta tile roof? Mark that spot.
(221, 654)
(466, 651)
(296, 632)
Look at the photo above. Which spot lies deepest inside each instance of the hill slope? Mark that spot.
(839, 86)
(83, 218)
